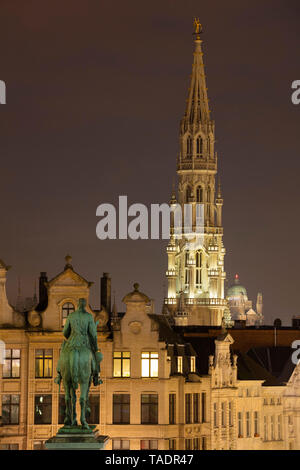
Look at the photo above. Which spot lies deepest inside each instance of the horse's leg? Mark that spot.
(83, 395)
(68, 417)
(73, 396)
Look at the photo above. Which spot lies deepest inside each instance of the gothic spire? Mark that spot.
(197, 110)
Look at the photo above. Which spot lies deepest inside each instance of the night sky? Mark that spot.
(95, 93)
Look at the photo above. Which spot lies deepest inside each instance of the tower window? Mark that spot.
(199, 147)
(189, 147)
(199, 194)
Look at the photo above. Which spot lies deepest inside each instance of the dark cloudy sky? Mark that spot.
(95, 92)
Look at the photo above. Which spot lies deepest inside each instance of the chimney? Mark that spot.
(43, 293)
(106, 292)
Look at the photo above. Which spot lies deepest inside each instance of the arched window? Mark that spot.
(199, 146)
(198, 269)
(67, 308)
(208, 195)
(188, 194)
(189, 147)
(186, 270)
(199, 194)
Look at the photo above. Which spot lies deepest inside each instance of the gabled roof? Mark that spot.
(68, 272)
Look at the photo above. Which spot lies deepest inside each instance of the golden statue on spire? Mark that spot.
(198, 26)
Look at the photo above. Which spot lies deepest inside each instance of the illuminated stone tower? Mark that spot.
(196, 263)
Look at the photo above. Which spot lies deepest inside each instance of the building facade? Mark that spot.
(160, 390)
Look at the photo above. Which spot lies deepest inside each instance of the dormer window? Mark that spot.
(193, 364)
(67, 308)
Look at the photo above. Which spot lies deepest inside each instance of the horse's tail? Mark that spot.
(75, 368)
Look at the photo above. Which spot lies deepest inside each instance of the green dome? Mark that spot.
(236, 289)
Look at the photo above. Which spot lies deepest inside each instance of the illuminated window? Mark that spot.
(43, 363)
(179, 364)
(11, 366)
(149, 409)
(43, 409)
(149, 364)
(193, 364)
(121, 364)
(67, 308)
(10, 409)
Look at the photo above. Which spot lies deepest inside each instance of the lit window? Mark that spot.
(11, 366)
(121, 364)
(179, 364)
(67, 308)
(149, 364)
(43, 363)
(193, 364)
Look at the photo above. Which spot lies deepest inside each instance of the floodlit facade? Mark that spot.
(160, 389)
(170, 382)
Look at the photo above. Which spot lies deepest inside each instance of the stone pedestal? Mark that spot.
(76, 438)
